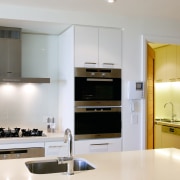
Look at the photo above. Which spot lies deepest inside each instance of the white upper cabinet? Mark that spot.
(86, 46)
(97, 47)
(109, 47)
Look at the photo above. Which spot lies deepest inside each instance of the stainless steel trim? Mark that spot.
(96, 136)
(97, 103)
(22, 153)
(25, 80)
(97, 109)
(99, 79)
(98, 72)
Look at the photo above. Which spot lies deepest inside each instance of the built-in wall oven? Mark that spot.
(97, 103)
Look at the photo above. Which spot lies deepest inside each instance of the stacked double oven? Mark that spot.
(97, 103)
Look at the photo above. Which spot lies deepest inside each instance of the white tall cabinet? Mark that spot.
(86, 46)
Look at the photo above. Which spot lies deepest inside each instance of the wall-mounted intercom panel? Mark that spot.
(135, 90)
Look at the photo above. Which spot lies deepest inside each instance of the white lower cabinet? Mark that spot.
(97, 145)
(56, 149)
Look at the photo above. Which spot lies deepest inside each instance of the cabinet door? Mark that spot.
(86, 46)
(157, 136)
(97, 145)
(160, 64)
(110, 47)
(171, 52)
(56, 149)
(178, 64)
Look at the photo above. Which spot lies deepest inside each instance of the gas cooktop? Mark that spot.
(18, 132)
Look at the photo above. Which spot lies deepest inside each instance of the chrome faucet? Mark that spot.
(173, 115)
(68, 139)
(69, 159)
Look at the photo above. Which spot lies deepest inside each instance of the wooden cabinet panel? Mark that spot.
(178, 63)
(160, 64)
(157, 136)
(171, 54)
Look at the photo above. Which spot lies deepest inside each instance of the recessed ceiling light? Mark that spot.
(110, 1)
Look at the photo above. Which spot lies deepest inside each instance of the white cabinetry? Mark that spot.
(97, 47)
(21, 145)
(97, 145)
(86, 46)
(79, 45)
(58, 148)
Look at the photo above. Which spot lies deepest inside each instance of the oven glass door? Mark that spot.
(97, 125)
(97, 89)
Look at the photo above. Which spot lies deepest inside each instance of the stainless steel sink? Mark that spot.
(52, 166)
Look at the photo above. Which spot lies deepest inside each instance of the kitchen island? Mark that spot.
(158, 164)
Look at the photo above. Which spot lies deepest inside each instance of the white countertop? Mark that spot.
(33, 139)
(172, 124)
(160, 164)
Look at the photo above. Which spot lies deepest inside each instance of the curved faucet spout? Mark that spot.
(173, 115)
(68, 139)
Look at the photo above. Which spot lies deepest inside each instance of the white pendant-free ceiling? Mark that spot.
(110, 1)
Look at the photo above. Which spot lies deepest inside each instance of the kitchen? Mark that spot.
(133, 134)
(166, 96)
(45, 102)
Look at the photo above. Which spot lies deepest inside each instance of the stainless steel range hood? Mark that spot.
(10, 58)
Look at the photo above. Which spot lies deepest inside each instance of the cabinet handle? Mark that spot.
(158, 80)
(172, 79)
(55, 146)
(100, 144)
(92, 63)
(109, 64)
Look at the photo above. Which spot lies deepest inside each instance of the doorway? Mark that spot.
(147, 138)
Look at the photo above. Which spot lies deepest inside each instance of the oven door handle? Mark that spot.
(99, 79)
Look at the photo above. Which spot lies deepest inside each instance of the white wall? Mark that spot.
(28, 105)
(133, 63)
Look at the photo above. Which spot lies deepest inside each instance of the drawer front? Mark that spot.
(56, 149)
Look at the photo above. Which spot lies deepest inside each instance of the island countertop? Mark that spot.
(130, 165)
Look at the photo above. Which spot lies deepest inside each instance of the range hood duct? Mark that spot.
(10, 58)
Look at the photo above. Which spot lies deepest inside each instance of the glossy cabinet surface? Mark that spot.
(97, 145)
(157, 136)
(97, 47)
(56, 148)
(167, 63)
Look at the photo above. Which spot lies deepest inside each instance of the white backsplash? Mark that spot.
(167, 92)
(28, 105)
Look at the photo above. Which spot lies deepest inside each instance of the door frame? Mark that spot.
(144, 40)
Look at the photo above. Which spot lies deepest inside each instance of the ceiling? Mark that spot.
(153, 8)
(130, 8)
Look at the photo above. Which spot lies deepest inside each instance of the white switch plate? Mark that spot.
(134, 118)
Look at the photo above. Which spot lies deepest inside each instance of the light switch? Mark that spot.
(134, 118)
